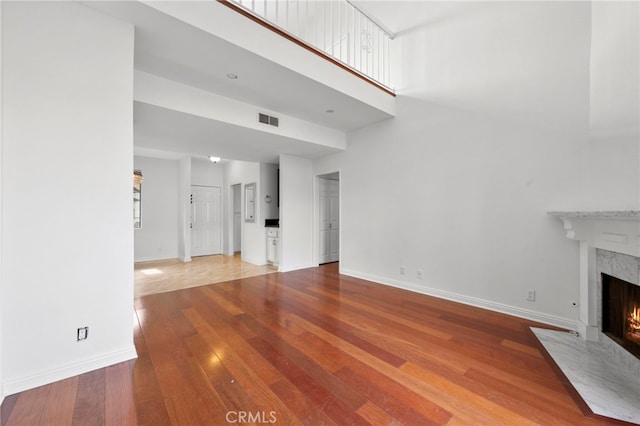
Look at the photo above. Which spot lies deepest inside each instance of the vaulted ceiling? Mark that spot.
(170, 48)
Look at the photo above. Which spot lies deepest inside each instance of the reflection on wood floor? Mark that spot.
(312, 347)
(173, 274)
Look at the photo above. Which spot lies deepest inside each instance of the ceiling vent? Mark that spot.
(268, 119)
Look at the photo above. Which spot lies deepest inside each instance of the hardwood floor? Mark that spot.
(173, 274)
(312, 347)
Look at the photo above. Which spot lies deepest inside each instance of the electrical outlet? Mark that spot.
(402, 270)
(419, 274)
(83, 333)
(531, 295)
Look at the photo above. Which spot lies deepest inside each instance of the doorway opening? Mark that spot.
(329, 218)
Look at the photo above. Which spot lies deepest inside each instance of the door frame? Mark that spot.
(316, 214)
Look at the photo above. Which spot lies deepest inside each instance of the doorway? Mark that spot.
(206, 220)
(329, 217)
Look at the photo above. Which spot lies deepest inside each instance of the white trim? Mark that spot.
(2, 393)
(553, 320)
(73, 369)
(295, 267)
(255, 261)
(155, 259)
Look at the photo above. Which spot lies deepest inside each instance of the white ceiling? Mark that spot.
(174, 133)
(169, 48)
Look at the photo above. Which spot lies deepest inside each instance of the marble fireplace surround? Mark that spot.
(606, 376)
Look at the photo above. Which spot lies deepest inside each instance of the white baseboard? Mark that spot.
(154, 259)
(20, 384)
(255, 261)
(541, 317)
(289, 268)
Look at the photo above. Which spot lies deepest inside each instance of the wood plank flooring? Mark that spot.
(312, 347)
(168, 275)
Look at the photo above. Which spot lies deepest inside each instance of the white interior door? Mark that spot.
(329, 220)
(206, 220)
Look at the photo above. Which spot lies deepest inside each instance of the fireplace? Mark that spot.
(621, 313)
(604, 366)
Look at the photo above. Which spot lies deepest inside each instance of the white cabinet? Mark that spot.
(273, 240)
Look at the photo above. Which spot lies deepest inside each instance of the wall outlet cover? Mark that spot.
(83, 333)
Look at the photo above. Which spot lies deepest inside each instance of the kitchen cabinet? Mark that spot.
(273, 249)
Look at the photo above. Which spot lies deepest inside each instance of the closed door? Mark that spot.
(329, 220)
(206, 223)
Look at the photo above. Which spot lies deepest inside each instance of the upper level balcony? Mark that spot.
(334, 29)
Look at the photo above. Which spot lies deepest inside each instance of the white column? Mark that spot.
(588, 322)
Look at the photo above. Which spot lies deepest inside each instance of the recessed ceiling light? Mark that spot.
(330, 111)
(232, 76)
(214, 159)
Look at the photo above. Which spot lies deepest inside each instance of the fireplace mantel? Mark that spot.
(617, 231)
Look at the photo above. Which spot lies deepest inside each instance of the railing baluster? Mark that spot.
(352, 59)
(360, 67)
(364, 45)
(378, 55)
(340, 30)
(331, 28)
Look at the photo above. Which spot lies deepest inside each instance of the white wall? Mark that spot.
(490, 133)
(269, 183)
(67, 166)
(519, 61)
(158, 236)
(206, 173)
(184, 206)
(254, 245)
(613, 166)
(1, 282)
(296, 213)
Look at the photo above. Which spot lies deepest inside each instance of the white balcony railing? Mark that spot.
(334, 27)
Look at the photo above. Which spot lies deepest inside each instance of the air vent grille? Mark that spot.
(268, 119)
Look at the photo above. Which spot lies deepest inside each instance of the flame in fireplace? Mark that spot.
(634, 323)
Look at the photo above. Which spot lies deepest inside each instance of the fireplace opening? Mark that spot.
(621, 313)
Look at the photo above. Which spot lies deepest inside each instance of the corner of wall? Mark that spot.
(184, 236)
(1, 281)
